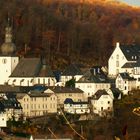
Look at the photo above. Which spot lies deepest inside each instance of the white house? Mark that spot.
(125, 83)
(102, 103)
(123, 59)
(92, 81)
(76, 107)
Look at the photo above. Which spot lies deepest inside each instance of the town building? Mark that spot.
(25, 71)
(76, 107)
(92, 81)
(37, 103)
(125, 83)
(63, 93)
(73, 71)
(102, 103)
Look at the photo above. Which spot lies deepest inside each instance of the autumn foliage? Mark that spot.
(66, 31)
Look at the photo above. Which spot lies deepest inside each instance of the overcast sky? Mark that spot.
(132, 2)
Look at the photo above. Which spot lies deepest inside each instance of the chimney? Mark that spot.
(118, 44)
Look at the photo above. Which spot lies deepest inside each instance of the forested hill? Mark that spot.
(66, 31)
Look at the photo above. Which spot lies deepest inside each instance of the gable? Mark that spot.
(48, 91)
(116, 52)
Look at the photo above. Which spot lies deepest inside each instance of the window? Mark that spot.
(108, 102)
(108, 108)
(117, 63)
(117, 56)
(111, 57)
(102, 108)
(125, 88)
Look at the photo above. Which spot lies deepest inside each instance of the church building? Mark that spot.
(22, 72)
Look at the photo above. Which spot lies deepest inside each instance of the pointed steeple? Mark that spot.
(8, 32)
(8, 47)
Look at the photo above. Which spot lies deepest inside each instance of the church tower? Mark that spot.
(8, 60)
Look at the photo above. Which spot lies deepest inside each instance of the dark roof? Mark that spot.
(9, 103)
(31, 67)
(90, 77)
(46, 71)
(129, 65)
(70, 101)
(99, 93)
(72, 70)
(9, 88)
(27, 67)
(131, 52)
(35, 94)
(126, 76)
(59, 89)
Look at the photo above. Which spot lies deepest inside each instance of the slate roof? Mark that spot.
(15, 89)
(129, 65)
(31, 67)
(90, 77)
(65, 90)
(99, 93)
(131, 50)
(72, 70)
(10, 103)
(126, 76)
(70, 101)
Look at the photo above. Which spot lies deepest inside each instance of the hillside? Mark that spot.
(66, 31)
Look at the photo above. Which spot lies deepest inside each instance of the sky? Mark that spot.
(132, 2)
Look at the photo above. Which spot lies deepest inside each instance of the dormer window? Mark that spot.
(128, 51)
(135, 57)
(132, 57)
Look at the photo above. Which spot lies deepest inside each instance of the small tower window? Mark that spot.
(4, 61)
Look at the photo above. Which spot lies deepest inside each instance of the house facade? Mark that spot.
(63, 93)
(92, 81)
(37, 104)
(125, 83)
(102, 103)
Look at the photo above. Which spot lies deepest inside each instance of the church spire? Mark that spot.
(8, 47)
(8, 32)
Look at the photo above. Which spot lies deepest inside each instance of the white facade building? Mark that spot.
(122, 59)
(102, 103)
(92, 81)
(125, 83)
